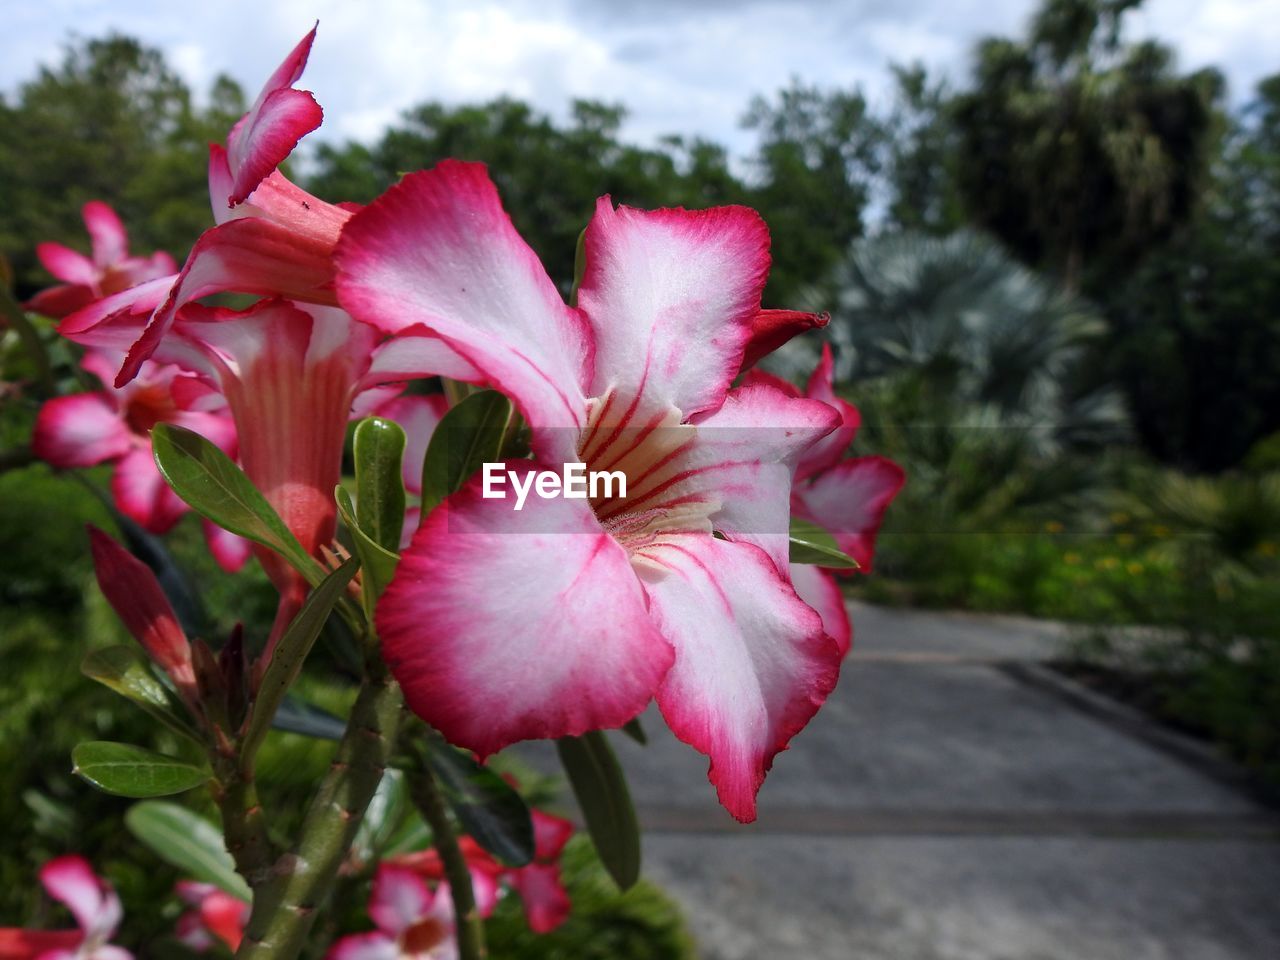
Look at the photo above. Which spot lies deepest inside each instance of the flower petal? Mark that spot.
(437, 249)
(225, 917)
(505, 625)
(819, 589)
(80, 431)
(850, 500)
(229, 551)
(134, 593)
(744, 457)
(365, 946)
(831, 448)
(16, 944)
(753, 663)
(106, 233)
(416, 352)
(278, 119)
(550, 834)
(670, 295)
(61, 301)
(770, 329)
(252, 255)
(546, 903)
(141, 493)
(70, 880)
(66, 264)
(399, 899)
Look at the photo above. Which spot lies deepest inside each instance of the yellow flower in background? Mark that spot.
(1134, 567)
(1161, 531)
(1125, 539)
(1120, 519)
(1071, 558)
(1107, 563)
(1268, 548)
(1053, 526)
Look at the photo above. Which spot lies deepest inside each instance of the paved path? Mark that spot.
(941, 807)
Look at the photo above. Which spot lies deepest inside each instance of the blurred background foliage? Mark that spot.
(1055, 296)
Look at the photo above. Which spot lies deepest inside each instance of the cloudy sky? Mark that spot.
(682, 66)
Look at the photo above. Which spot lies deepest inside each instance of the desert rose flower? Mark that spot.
(108, 270)
(114, 426)
(71, 881)
(847, 497)
(679, 589)
(413, 922)
(272, 238)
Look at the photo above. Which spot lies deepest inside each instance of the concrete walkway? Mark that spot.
(942, 807)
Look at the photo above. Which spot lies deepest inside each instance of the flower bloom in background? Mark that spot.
(87, 279)
(847, 497)
(413, 922)
(215, 917)
(114, 426)
(71, 881)
(546, 902)
(604, 604)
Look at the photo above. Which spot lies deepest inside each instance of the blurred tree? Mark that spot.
(549, 175)
(112, 122)
(818, 156)
(1078, 150)
(1196, 331)
(920, 149)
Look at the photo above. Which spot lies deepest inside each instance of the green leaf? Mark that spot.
(291, 652)
(579, 266)
(489, 809)
(636, 732)
(468, 436)
(129, 771)
(601, 788)
(188, 842)
(378, 448)
(212, 485)
(126, 670)
(812, 544)
(308, 720)
(378, 566)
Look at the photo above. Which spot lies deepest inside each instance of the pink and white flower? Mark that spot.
(413, 922)
(272, 238)
(114, 426)
(679, 590)
(109, 270)
(71, 881)
(847, 497)
(215, 917)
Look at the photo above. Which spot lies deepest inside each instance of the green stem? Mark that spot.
(285, 905)
(31, 342)
(469, 928)
(244, 825)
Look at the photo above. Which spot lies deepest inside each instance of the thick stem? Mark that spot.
(285, 905)
(245, 826)
(469, 927)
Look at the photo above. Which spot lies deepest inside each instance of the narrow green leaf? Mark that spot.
(812, 544)
(126, 670)
(308, 720)
(378, 565)
(636, 732)
(468, 436)
(212, 485)
(188, 842)
(379, 448)
(290, 653)
(579, 266)
(383, 817)
(129, 771)
(489, 809)
(601, 788)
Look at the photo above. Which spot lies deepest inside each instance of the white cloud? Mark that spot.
(682, 66)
